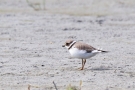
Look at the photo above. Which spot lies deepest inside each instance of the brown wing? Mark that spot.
(83, 46)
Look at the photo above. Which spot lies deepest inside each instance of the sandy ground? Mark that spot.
(31, 52)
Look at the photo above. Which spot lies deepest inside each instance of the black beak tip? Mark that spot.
(63, 45)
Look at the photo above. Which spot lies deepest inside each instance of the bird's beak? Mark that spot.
(63, 45)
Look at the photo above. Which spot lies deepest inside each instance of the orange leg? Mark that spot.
(82, 65)
(84, 61)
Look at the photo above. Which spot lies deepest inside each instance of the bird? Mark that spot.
(81, 50)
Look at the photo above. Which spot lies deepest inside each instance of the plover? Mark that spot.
(81, 50)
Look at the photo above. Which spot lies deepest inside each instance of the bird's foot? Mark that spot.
(80, 68)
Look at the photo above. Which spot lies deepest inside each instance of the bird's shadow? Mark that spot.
(100, 68)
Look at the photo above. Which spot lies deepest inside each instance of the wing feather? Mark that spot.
(83, 46)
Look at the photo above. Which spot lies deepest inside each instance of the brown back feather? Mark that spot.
(83, 46)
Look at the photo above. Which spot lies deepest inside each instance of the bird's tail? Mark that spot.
(103, 51)
(100, 50)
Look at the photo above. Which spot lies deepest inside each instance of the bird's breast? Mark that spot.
(82, 54)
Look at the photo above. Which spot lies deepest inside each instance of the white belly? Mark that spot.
(82, 54)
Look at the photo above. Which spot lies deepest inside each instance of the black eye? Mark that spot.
(67, 44)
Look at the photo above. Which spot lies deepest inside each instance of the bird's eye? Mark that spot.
(67, 44)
